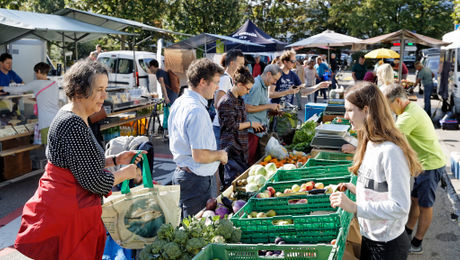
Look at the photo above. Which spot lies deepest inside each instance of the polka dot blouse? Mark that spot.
(72, 145)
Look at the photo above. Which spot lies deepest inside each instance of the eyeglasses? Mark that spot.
(292, 61)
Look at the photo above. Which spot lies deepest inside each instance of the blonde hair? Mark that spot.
(286, 56)
(379, 125)
(385, 74)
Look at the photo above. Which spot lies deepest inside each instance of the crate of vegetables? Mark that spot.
(279, 249)
(323, 162)
(311, 172)
(319, 226)
(334, 156)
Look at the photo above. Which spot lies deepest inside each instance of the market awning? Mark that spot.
(325, 39)
(407, 35)
(110, 22)
(16, 24)
(452, 37)
(207, 38)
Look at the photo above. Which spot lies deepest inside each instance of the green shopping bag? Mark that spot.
(133, 216)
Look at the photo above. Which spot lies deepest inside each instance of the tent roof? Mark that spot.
(15, 24)
(110, 22)
(207, 38)
(408, 35)
(250, 32)
(326, 38)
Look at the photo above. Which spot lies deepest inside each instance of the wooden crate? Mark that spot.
(15, 165)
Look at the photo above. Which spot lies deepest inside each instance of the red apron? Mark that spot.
(62, 220)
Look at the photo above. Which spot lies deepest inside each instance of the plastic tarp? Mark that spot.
(250, 32)
(209, 39)
(110, 22)
(406, 35)
(326, 38)
(452, 37)
(16, 24)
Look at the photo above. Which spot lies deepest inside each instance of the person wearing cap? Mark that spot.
(258, 67)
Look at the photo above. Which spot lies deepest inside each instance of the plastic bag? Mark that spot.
(133, 216)
(275, 149)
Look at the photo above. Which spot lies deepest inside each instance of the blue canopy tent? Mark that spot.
(208, 40)
(250, 32)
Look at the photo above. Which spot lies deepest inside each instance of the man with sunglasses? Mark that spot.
(289, 83)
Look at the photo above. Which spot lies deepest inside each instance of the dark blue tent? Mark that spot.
(250, 32)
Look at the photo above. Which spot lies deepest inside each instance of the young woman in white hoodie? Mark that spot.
(384, 162)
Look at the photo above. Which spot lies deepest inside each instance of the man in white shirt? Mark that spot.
(190, 137)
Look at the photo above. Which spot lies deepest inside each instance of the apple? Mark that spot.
(319, 185)
(309, 186)
(271, 190)
(278, 194)
(303, 187)
(295, 188)
(253, 214)
(261, 215)
(287, 191)
(333, 242)
(263, 195)
(302, 201)
(271, 213)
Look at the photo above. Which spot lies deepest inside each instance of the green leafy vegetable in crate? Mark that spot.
(303, 136)
(188, 240)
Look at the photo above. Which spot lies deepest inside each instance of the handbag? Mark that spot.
(98, 116)
(133, 216)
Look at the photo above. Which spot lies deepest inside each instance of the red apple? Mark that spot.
(272, 191)
(319, 185)
(287, 191)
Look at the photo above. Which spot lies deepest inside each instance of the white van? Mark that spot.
(122, 71)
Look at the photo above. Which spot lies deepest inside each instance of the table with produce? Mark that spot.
(278, 208)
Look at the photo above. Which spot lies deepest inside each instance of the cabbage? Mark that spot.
(222, 211)
(251, 179)
(237, 205)
(289, 166)
(270, 168)
(252, 187)
(254, 169)
(260, 180)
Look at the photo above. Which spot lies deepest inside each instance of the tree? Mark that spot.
(198, 16)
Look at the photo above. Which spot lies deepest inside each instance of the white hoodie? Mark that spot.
(383, 192)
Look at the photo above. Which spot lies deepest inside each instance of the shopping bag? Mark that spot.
(133, 216)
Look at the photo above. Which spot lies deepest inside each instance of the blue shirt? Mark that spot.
(6, 79)
(285, 82)
(321, 69)
(190, 128)
(258, 95)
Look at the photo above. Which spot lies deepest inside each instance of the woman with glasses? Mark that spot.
(234, 125)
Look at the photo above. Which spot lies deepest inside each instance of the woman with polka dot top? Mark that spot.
(63, 218)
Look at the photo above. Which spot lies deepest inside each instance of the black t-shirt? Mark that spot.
(163, 74)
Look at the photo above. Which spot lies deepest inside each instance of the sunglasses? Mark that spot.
(292, 61)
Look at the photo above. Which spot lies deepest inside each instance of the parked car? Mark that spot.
(431, 60)
(122, 67)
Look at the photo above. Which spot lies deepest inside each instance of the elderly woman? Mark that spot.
(63, 218)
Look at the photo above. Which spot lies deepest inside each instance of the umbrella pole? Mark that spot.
(63, 52)
(328, 55)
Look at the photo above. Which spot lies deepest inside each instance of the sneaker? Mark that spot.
(415, 250)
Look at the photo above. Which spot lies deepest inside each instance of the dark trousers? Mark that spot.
(253, 143)
(195, 190)
(427, 97)
(396, 249)
(323, 91)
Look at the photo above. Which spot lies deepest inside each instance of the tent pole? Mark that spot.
(328, 55)
(63, 53)
(401, 55)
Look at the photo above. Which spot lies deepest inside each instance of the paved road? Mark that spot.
(441, 242)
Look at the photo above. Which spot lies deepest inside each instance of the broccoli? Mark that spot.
(195, 231)
(145, 253)
(218, 240)
(194, 245)
(180, 237)
(157, 245)
(186, 257)
(171, 251)
(236, 236)
(166, 232)
(224, 228)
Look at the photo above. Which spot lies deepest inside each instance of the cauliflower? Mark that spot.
(180, 237)
(236, 236)
(171, 251)
(218, 240)
(194, 245)
(224, 228)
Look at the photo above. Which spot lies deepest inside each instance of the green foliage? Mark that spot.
(196, 16)
(456, 12)
(303, 136)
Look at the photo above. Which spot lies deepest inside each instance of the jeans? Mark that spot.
(427, 97)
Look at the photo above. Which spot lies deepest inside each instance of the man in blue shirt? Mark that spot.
(7, 75)
(321, 70)
(191, 137)
(289, 83)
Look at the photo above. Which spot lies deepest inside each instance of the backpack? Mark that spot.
(174, 82)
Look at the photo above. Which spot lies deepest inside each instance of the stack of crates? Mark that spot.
(307, 227)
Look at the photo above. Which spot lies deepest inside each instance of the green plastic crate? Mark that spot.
(311, 172)
(291, 251)
(342, 122)
(304, 228)
(334, 156)
(322, 162)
